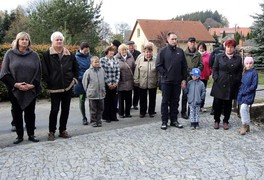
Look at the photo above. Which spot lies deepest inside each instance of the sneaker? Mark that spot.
(97, 124)
(197, 125)
(51, 136)
(216, 125)
(33, 139)
(176, 124)
(192, 126)
(163, 126)
(64, 134)
(225, 126)
(203, 110)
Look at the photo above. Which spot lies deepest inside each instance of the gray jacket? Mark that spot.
(94, 83)
(195, 92)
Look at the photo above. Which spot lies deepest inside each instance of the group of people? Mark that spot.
(108, 82)
(189, 70)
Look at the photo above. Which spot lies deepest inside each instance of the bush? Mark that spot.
(39, 49)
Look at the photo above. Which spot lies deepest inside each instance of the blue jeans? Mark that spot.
(170, 99)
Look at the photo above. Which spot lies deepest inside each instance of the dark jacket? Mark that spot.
(216, 51)
(59, 74)
(194, 60)
(227, 76)
(83, 64)
(247, 90)
(171, 65)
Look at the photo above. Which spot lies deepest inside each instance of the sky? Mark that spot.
(123, 11)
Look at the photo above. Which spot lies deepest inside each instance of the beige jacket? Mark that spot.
(145, 74)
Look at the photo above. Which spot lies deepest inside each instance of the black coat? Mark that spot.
(227, 75)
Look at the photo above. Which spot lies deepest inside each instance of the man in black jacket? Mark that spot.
(172, 67)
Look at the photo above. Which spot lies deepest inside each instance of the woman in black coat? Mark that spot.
(227, 72)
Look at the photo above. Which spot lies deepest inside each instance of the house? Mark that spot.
(156, 30)
(229, 32)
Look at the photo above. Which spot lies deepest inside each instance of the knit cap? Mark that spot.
(248, 60)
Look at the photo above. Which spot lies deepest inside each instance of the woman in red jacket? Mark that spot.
(207, 70)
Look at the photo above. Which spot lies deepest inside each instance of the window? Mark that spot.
(138, 32)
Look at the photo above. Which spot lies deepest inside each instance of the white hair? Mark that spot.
(56, 34)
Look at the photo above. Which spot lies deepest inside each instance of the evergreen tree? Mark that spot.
(258, 37)
(224, 34)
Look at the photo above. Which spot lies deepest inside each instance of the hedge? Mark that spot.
(39, 49)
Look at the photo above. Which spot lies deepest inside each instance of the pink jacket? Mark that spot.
(207, 70)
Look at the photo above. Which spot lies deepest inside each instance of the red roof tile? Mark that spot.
(219, 31)
(184, 29)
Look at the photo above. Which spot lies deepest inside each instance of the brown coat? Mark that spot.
(127, 67)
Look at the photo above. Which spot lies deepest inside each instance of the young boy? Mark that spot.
(94, 85)
(195, 93)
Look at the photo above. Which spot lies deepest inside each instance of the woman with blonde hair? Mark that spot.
(21, 72)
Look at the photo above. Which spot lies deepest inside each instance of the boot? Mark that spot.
(243, 129)
(247, 128)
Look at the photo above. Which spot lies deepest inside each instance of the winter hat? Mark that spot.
(196, 72)
(248, 60)
(116, 43)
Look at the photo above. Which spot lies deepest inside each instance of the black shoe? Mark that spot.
(85, 122)
(18, 140)
(13, 129)
(151, 115)
(184, 116)
(142, 115)
(33, 139)
(128, 116)
(176, 124)
(108, 121)
(97, 125)
(122, 116)
(135, 107)
(115, 119)
(163, 126)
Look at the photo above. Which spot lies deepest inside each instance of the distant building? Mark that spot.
(156, 30)
(229, 32)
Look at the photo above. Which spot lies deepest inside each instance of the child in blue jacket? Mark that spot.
(246, 94)
(196, 94)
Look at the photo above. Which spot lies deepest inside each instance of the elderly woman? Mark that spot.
(21, 72)
(59, 72)
(146, 78)
(227, 73)
(126, 81)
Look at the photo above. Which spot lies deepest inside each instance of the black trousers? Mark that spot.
(143, 95)
(62, 99)
(136, 96)
(124, 102)
(29, 117)
(170, 100)
(110, 104)
(205, 85)
(222, 105)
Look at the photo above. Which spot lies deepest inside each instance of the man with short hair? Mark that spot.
(194, 60)
(172, 67)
